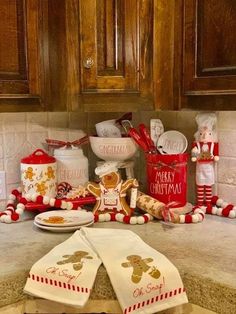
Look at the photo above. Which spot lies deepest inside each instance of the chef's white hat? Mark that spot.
(107, 167)
(206, 120)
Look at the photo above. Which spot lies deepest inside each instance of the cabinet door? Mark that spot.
(19, 48)
(109, 45)
(209, 47)
(116, 46)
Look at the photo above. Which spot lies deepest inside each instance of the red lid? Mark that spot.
(38, 157)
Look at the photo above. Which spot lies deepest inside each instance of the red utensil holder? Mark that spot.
(167, 178)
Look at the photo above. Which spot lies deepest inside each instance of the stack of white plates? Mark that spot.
(64, 220)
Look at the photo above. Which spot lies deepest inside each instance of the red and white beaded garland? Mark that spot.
(132, 220)
(196, 216)
(13, 212)
(221, 208)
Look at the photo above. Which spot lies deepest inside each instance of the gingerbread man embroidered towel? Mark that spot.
(66, 274)
(144, 280)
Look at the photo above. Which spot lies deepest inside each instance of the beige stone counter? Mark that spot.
(204, 253)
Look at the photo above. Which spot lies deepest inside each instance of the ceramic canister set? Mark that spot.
(41, 173)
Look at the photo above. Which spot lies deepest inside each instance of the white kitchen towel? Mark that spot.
(66, 274)
(144, 280)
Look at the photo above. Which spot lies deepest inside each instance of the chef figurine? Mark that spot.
(205, 152)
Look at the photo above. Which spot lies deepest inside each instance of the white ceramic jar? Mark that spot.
(72, 166)
(38, 174)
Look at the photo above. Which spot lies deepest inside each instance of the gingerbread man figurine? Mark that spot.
(110, 193)
(140, 266)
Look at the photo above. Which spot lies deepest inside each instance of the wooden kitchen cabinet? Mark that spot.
(205, 52)
(209, 47)
(28, 42)
(111, 61)
(20, 72)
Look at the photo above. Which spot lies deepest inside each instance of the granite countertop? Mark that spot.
(204, 253)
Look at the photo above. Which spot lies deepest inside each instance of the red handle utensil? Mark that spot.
(147, 137)
(132, 132)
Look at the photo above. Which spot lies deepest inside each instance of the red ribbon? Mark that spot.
(57, 143)
(174, 165)
(166, 212)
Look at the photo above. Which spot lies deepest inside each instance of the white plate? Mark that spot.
(63, 229)
(64, 218)
(172, 142)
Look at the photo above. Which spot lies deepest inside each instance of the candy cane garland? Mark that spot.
(134, 220)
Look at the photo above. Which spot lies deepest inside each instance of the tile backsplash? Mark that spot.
(22, 133)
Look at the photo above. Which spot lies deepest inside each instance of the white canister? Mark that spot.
(72, 166)
(39, 174)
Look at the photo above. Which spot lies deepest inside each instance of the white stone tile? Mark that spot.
(58, 119)
(227, 192)
(37, 139)
(58, 134)
(13, 143)
(14, 122)
(227, 171)
(12, 186)
(2, 164)
(1, 146)
(227, 142)
(12, 168)
(227, 120)
(186, 120)
(2, 208)
(75, 134)
(37, 121)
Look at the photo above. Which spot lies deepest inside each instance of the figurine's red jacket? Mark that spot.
(213, 148)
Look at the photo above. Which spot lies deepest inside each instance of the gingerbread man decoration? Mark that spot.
(110, 193)
(75, 259)
(41, 188)
(29, 174)
(140, 266)
(50, 173)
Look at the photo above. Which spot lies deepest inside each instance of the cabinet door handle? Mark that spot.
(88, 63)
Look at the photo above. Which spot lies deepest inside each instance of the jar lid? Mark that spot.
(72, 152)
(38, 157)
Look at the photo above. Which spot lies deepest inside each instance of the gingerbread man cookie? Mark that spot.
(110, 193)
(41, 188)
(50, 173)
(29, 173)
(140, 266)
(75, 259)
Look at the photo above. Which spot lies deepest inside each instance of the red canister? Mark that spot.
(167, 178)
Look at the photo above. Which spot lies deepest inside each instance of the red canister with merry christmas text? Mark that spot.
(167, 178)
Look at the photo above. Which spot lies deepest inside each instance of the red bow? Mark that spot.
(57, 143)
(166, 212)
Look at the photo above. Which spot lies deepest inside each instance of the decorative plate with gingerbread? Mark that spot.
(64, 218)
